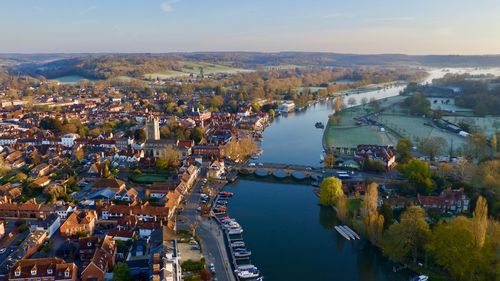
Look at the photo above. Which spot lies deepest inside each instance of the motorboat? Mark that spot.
(238, 244)
(225, 194)
(420, 278)
(235, 231)
(246, 267)
(319, 125)
(232, 225)
(248, 274)
(242, 253)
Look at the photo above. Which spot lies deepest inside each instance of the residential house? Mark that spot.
(102, 261)
(216, 169)
(450, 200)
(50, 224)
(47, 269)
(79, 221)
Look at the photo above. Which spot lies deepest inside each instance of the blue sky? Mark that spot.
(353, 26)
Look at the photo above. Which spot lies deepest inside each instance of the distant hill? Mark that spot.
(336, 59)
(103, 66)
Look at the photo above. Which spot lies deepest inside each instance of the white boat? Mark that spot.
(420, 278)
(347, 232)
(235, 231)
(248, 274)
(242, 254)
(237, 244)
(341, 232)
(246, 267)
(231, 224)
(352, 232)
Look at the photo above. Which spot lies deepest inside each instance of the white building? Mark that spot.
(68, 140)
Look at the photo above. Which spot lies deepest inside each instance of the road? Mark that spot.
(211, 236)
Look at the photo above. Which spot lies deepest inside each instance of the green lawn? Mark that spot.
(148, 178)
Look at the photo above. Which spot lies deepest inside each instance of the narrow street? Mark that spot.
(211, 236)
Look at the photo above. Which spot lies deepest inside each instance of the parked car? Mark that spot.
(3, 250)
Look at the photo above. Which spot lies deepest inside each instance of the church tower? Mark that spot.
(152, 128)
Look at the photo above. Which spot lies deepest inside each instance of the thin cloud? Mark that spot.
(167, 5)
(407, 18)
(85, 11)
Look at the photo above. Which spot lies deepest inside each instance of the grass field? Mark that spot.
(190, 67)
(486, 125)
(417, 128)
(441, 103)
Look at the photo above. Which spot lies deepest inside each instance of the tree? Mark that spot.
(494, 144)
(453, 246)
(351, 101)
(404, 148)
(140, 135)
(476, 147)
(205, 275)
(105, 173)
(432, 146)
(329, 160)
(418, 104)
(480, 221)
(418, 174)
(197, 134)
(386, 211)
(408, 237)
(217, 101)
(374, 223)
(121, 272)
(240, 150)
(169, 160)
(339, 104)
(341, 204)
(330, 190)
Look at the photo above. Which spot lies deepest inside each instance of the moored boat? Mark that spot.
(420, 278)
(319, 125)
(225, 194)
(235, 231)
(238, 244)
(351, 231)
(347, 232)
(341, 232)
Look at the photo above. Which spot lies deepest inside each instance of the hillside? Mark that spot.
(152, 66)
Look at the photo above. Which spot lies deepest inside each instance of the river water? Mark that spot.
(291, 237)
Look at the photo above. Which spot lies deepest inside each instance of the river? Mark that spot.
(291, 237)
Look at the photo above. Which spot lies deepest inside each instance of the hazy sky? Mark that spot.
(348, 26)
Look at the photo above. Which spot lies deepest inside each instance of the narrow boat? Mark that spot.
(341, 232)
(347, 232)
(352, 232)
